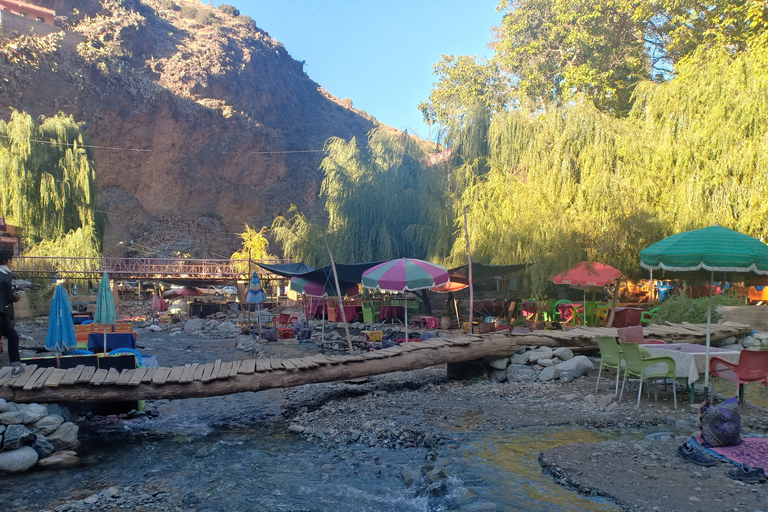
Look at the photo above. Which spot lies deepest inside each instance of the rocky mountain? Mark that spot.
(202, 121)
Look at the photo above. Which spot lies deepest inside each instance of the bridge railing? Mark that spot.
(135, 268)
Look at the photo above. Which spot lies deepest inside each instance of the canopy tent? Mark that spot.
(287, 269)
(349, 273)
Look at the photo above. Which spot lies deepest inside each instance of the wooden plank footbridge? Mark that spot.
(88, 384)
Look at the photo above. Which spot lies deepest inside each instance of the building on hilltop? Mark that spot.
(26, 10)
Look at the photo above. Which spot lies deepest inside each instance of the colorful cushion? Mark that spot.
(720, 424)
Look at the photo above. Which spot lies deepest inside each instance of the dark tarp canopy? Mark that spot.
(349, 274)
(482, 271)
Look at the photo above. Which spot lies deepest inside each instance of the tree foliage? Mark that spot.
(48, 179)
(255, 246)
(381, 202)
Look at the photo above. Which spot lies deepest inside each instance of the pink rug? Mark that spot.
(751, 450)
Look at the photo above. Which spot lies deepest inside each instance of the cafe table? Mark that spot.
(396, 312)
(627, 316)
(690, 359)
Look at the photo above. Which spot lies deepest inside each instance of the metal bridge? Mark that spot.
(169, 269)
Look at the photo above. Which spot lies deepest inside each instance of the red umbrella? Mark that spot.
(588, 274)
(159, 304)
(187, 291)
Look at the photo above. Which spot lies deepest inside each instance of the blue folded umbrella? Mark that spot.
(61, 328)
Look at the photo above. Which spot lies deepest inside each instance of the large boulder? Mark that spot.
(749, 341)
(46, 425)
(563, 353)
(18, 460)
(59, 410)
(43, 447)
(497, 363)
(549, 373)
(33, 413)
(520, 358)
(193, 324)
(539, 353)
(65, 436)
(17, 436)
(520, 373)
(578, 366)
(3, 405)
(10, 418)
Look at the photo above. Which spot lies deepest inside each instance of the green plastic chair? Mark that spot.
(551, 314)
(644, 369)
(557, 311)
(589, 313)
(610, 357)
(646, 317)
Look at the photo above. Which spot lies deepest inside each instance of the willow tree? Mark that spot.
(48, 178)
(383, 201)
(255, 246)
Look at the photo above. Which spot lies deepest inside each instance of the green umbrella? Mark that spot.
(716, 249)
(105, 307)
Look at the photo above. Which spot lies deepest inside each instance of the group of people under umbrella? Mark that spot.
(712, 249)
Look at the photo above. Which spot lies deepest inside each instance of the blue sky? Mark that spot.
(377, 53)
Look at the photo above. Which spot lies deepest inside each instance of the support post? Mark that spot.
(469, 262)
(341, 302)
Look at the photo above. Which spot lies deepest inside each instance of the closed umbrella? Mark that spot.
(61, 329)
(105, 307)
(405, 274)
(716, 249)
(158, 304)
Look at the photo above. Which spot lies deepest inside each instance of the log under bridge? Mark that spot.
(88, 384)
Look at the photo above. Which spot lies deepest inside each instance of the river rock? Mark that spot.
(549, 373)
(59, 410)
(18, 460)
(43, 447)
(228, 329)
(193, 324)
(749, 341)
(579, 365)
(605, 400)
(10, 418)
(545, 362)
(497, 363)
(59, 459)
(539, 353)
(498, 375)
(520, 372)
(46, 425)
(730, 340)
(65, 436)
(519, 358)
(33, 413)
(567, 376)
(3, 405)
(563, 353)
(17, 436)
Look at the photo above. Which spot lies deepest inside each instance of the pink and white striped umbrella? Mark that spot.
(405, 274)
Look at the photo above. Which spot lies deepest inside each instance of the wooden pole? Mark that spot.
(609, 323)
(469, 262)
(341, 302)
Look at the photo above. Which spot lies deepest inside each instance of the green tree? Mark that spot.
(255, 247)
(558, 49)
(48, 179)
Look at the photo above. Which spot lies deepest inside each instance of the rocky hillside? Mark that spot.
(203, 121)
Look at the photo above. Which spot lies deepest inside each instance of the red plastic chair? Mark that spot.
(634, 334)
(283, 319)
(752, 367)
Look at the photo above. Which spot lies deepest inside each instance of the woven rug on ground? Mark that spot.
(751, 450)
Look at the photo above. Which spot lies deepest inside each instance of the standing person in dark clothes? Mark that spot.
(7, 298)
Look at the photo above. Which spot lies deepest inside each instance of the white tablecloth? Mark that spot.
(690, 365)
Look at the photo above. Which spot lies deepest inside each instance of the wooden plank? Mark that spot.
(5, 374)
(268, 365)
(175, 375)
(137, 376)
(147, 378)
(216, 369)
(54, 379)
(72, 375)
(161, 375)
(247, 367)
(30, 384)
(298, 363)
(224, 370)
(235, 367)
(284, 362)
(86, 375)
(309, 362)
(112, 376)
(207, 371)
(260, 367)
(21, 380)
(198, 372)
(99, 377)
(320, 359)
(40, 382)
(125, 377)
(188, 373)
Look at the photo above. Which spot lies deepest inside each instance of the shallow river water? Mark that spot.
(265, 470)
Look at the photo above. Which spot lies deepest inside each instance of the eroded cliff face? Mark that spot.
(201, 126)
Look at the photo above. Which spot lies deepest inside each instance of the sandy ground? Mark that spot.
(639, 475)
